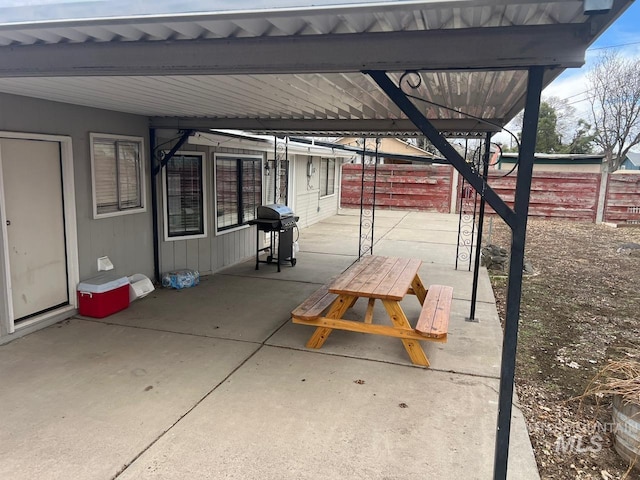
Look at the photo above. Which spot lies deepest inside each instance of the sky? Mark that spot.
(623, 36)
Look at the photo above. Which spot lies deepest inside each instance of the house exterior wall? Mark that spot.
(308, 204)
(389, 145)
(126, 239)
(628, 165)
(216, 250)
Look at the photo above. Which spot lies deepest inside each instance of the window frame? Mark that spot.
(325, 181)
(93, 138)
(203, 192)
(260, 158)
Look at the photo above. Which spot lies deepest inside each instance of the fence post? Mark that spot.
(455, 180)
(602, 194)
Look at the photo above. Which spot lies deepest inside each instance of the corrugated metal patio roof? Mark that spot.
(255, 19)
(249, 65)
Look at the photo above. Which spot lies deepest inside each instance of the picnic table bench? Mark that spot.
(389, 280)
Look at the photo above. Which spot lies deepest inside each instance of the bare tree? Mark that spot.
(614, 88)
(567, 120)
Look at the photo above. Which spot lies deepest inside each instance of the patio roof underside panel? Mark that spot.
(261, 101)
(300, 68)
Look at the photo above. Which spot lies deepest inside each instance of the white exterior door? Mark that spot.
(35, 225)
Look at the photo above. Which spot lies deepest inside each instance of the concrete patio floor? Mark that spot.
(216, 382)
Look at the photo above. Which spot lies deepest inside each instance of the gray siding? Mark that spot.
(215, 251)
(308, 204)
(126, 239)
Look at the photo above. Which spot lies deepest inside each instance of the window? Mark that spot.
(238, 190)
(327, 176)
(118, 175)
(184, 194)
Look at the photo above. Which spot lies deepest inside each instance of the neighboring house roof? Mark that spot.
(288, 65)
(557, 158)
(391, 146)
(634, 158)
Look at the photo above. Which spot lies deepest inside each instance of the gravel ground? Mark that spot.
(580, 310)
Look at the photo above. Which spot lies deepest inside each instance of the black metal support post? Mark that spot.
(441, 143)
(516, 219)
(476, 267)
(514, 289)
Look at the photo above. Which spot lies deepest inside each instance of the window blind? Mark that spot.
(185, 195)
(118, 174)
(238, 190)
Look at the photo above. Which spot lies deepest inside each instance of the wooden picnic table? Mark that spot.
(388, 279)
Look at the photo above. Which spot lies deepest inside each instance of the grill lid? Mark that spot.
(274, 211)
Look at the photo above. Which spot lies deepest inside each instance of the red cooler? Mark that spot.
(103, 295)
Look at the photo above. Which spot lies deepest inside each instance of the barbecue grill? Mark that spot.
(279, 221)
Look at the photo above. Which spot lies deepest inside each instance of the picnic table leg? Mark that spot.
(368, 318)
(399, 319)
(338, 308)
(418, 289)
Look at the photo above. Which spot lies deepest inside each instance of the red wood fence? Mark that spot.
(565, 195)
(555, 194)
(623, 199)
(419, 187)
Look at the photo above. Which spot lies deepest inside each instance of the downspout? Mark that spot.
(154, 207)
(340, 185)
(275, 170)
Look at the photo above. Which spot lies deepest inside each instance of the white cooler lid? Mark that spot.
(102, 283)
